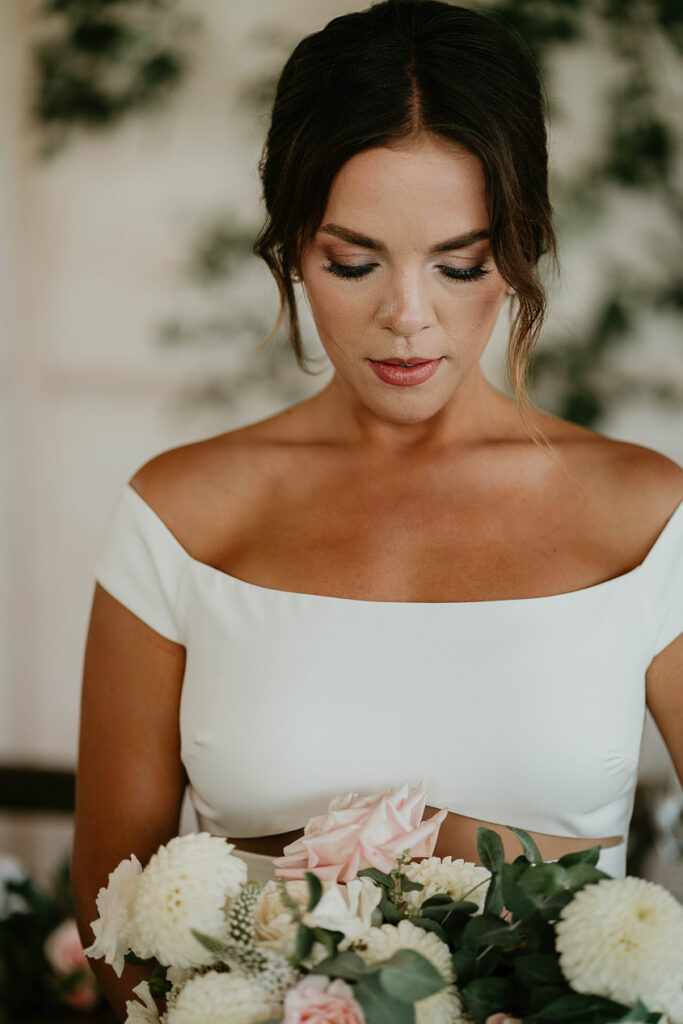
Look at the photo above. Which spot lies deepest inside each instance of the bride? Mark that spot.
(409, 575)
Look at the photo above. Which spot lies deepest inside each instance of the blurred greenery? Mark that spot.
(580, 371)
(97, 61)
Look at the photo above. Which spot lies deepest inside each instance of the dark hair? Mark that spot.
(401, 69)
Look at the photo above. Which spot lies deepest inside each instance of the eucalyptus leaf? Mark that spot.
(428, 925)
(329, 939)
(589, 856)
(485, 996)
(408, 885)
(538, 969)
(389, 910)
(639, 1012)
(489, 930)
(465, 966)
(346, 965)
(514, 897)
(490, 849)
(315, 890)
(439, 900)
(408, 976)
(494, 903)
(380, 877)
(531, 851)
(465, 907)
(575, 1006)
(304, 942)
(582, 874)
(378, 1007)
(543, 881)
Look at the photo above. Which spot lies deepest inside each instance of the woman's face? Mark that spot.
(401, 268)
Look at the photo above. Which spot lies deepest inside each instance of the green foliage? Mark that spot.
(577, 375)
(97, 62)
(388, 989)
(28, 984)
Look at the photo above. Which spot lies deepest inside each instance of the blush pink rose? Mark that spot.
(359, 832)
(64, 950)
(64, 953)
(318, 1000)
(85, 996)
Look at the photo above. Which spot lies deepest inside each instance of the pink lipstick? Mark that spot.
(396, 373)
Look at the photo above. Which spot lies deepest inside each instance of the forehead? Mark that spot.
(421, 187)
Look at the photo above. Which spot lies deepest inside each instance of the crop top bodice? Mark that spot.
(527, 712)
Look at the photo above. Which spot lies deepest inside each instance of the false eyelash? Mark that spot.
(356, 273)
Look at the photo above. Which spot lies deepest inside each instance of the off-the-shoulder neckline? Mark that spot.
(566, 594)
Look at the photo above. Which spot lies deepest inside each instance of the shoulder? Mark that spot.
(629, 485)
(206, 491)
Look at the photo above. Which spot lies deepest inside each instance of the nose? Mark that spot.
(405, 306)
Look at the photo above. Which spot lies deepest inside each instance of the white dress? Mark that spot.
(524, 712)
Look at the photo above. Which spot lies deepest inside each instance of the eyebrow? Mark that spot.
(372, 243)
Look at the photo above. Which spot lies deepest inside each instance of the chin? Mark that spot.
(408, 409)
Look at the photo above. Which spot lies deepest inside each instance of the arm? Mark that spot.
(130, 780)
(664, 687)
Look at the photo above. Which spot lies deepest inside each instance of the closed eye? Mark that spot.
(452, 273)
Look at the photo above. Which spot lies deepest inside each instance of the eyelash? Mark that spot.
(451, 273)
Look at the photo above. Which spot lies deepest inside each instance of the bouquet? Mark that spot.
(365, 926)
(42, 964)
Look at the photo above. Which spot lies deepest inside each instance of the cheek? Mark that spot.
(474, 311)
(337, 313)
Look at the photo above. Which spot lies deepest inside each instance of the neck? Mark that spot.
(477, 412)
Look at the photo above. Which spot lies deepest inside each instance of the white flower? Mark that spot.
(115, 905)
(454, 877)
(346, 908)
(185, 885)
(274, 926)
(622, 938)
(221, 997)
(12, 870)
(139, 1013)
(381, 943)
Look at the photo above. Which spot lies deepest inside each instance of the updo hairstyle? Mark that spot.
(398, 70)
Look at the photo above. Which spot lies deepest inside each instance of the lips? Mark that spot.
(392, 371)
(413, 361)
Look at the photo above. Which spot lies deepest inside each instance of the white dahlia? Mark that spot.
(145, 1012)
(443, 874)
(622, 938)
(185, 885)
(381, 943)
(115, 903)
(221, 997)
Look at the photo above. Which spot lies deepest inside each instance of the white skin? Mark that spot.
(406, 306)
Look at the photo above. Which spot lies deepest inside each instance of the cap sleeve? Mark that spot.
(664, 575)
(140, 564)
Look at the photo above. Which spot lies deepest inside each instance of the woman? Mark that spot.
(409, 575)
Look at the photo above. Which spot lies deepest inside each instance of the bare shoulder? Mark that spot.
(633, 484)
(207, 491)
